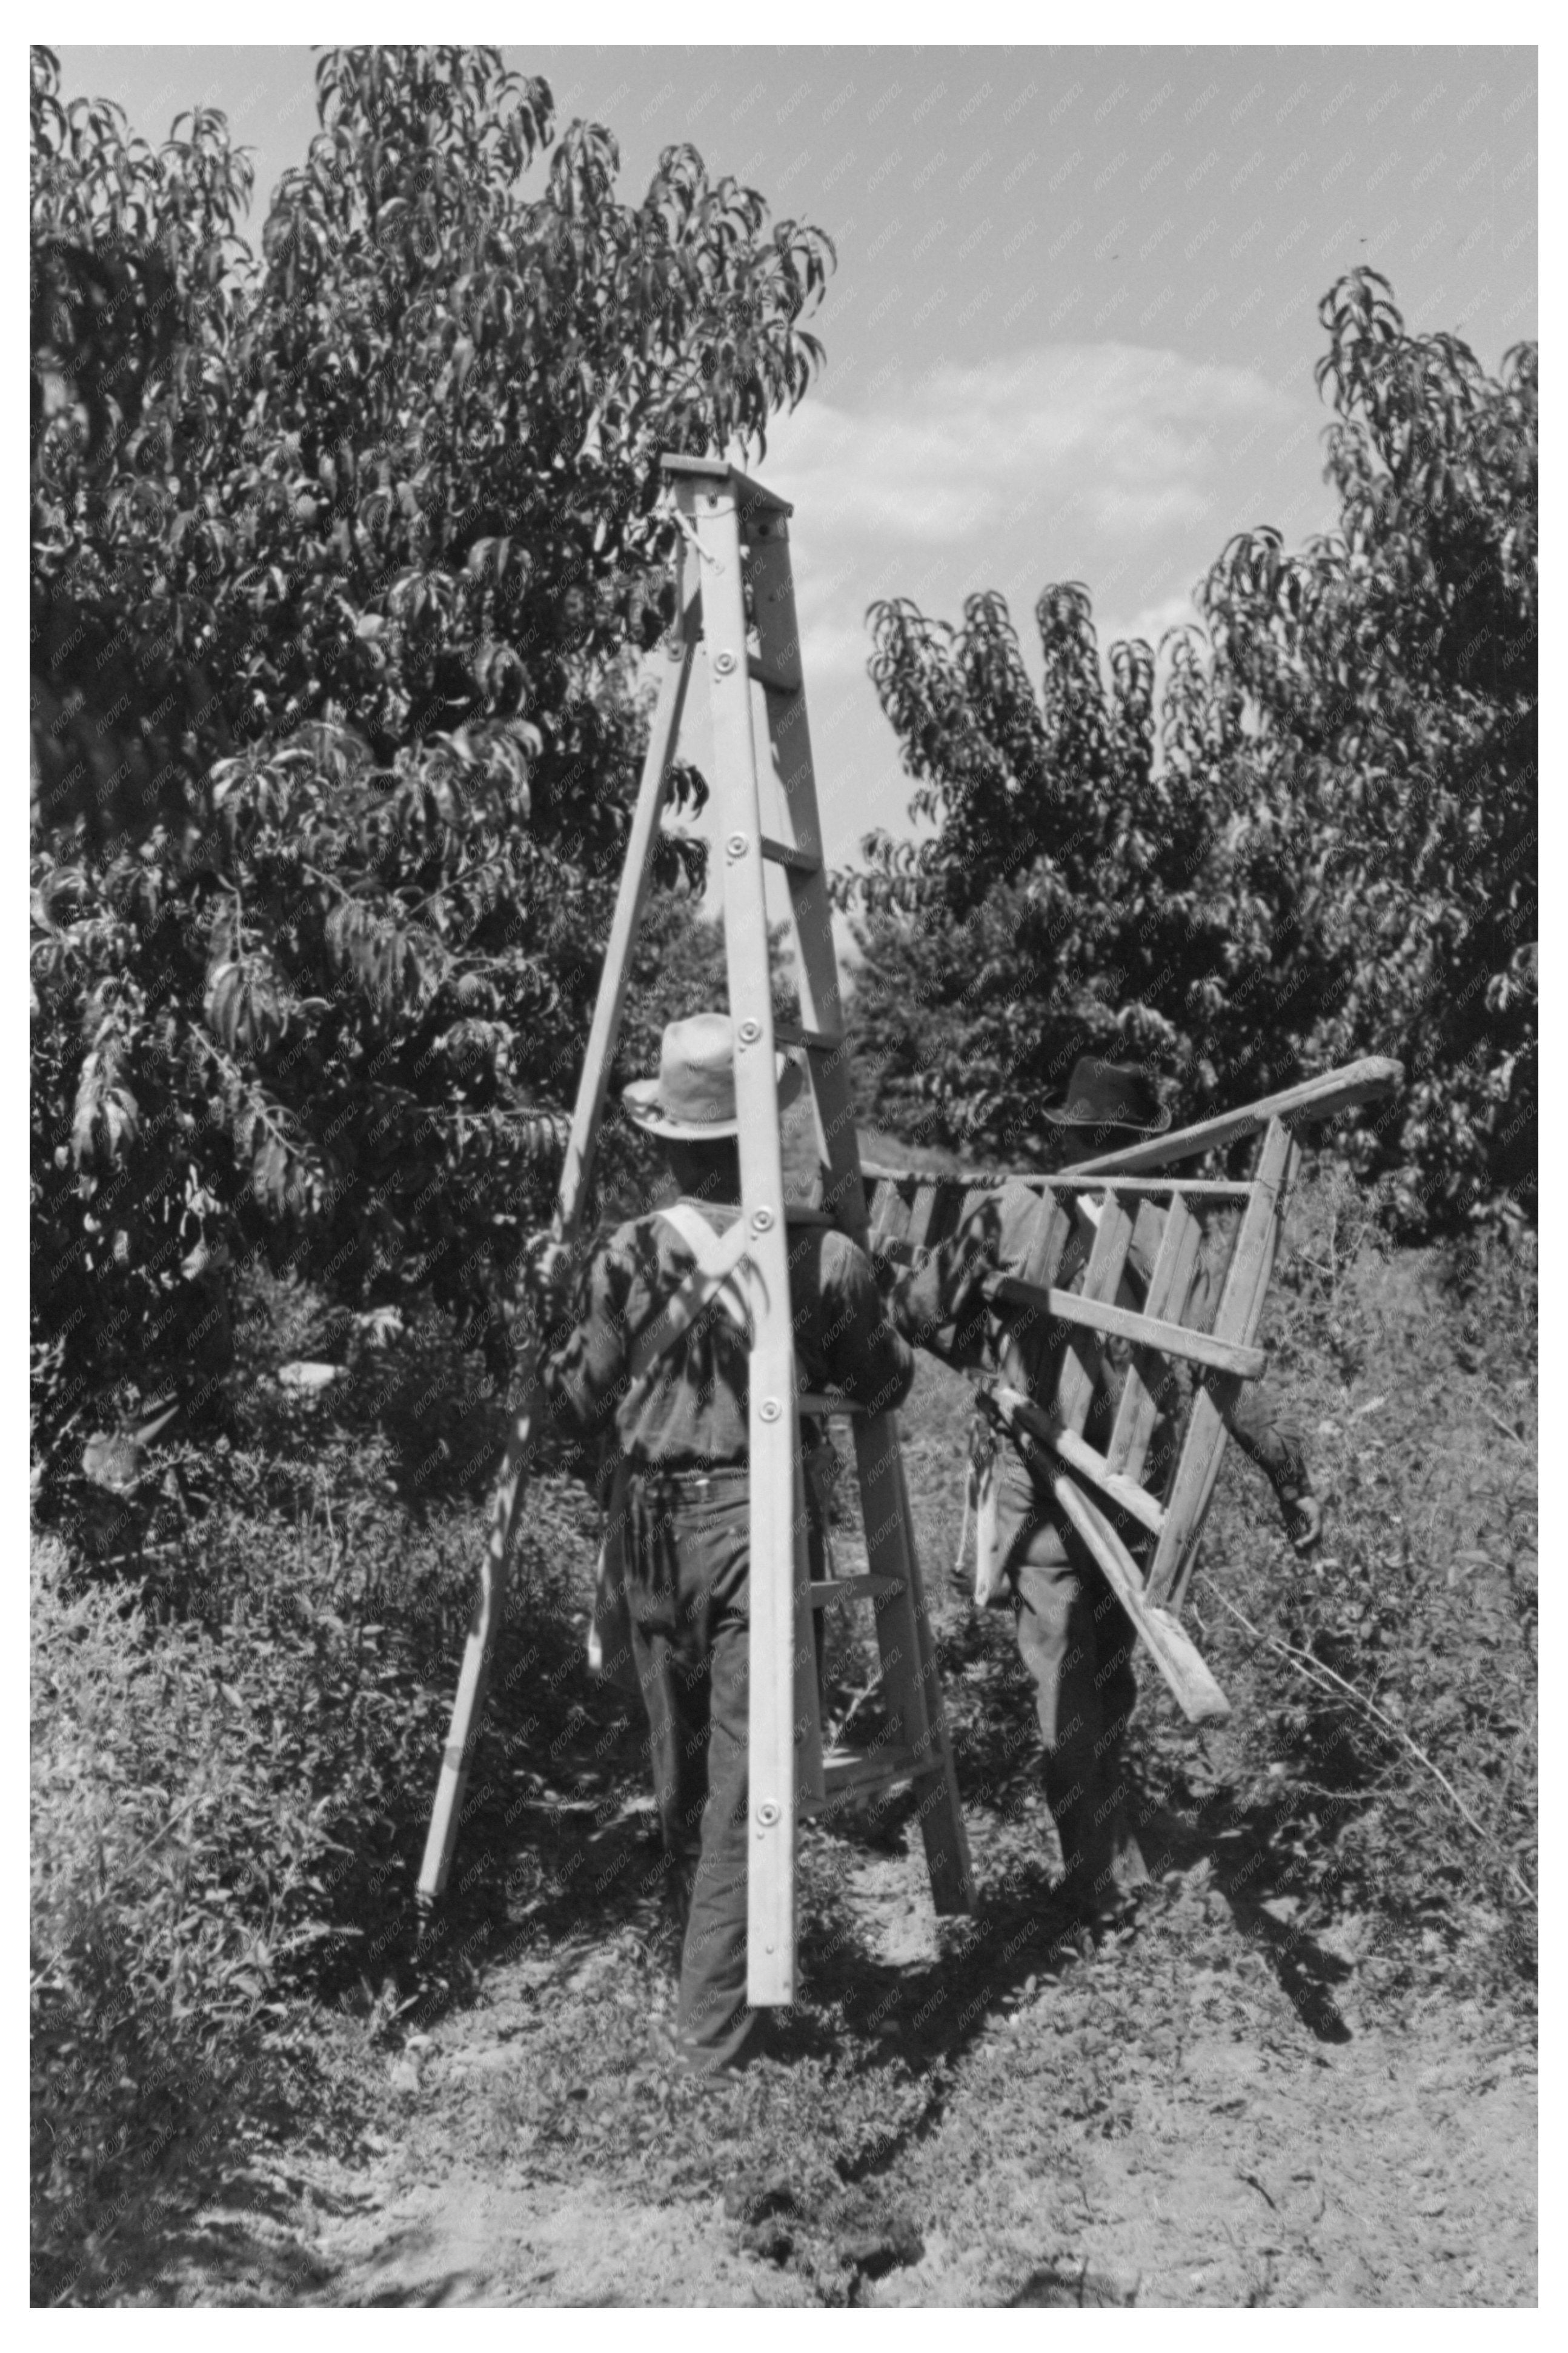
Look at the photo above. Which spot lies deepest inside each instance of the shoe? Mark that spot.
(1099, 1911)
(670, 2051)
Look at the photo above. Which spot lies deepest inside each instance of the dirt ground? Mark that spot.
(1181, 2117)
(1260, 2095)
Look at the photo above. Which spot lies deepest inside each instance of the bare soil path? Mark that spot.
(1184, 2116)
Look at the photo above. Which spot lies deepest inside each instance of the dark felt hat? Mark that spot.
(1111, 1094)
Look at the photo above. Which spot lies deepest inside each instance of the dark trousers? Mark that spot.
(1076, 1640)
(687, 1592)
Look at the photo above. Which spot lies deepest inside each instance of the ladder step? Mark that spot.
(1134, 1500)
(1248, 1362)
(879, 1770)
(869, 1587)
(824, 1041)
(715, 475)
(774, 681)
(1086, 1459)
(784, 853)
(817, 1401)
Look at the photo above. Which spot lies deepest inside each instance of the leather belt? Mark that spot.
(694, 1482)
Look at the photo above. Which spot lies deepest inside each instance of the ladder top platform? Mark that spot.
(715, 473)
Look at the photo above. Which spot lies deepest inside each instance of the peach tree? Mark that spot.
(344, 555)
(1305, 834)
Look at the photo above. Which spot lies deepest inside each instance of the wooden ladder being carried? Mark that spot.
(1157, 1223)
(735, 584)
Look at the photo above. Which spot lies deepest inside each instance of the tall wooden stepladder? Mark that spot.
(736, 588)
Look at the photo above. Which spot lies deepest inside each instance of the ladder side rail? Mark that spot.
(778, 1563)
(1368, 1081)
(1239, 1315)
(631, 899)
(485, 1622)
(907, 1653)
(490, 1602)
(1165, 1637)
(817, 975)
(1065, 1186)
(1171, 1648)
(808, 1727)
(903, 1632)
(905, 1645)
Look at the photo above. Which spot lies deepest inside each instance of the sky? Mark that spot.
(1072, 329)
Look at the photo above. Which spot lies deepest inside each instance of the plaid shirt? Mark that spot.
(941, 1307)
(691, 1412)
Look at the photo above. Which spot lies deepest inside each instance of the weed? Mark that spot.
(235, 1738)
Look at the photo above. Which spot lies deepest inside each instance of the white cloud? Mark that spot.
(835, 648)
(1122, 466)
(1150, 622)
(1114, 436)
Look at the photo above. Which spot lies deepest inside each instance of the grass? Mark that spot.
(212, 1989)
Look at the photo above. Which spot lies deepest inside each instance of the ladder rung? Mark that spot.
(1089, 1463)
(817, 1401)
(784, 853)
(1149, 1332)
(869, 1587)
(877, 1770)
(826, 1041)
(773, 680)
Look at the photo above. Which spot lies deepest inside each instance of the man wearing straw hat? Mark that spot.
(1073, 1635)
(676, 1416)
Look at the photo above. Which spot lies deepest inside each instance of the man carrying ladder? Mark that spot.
(658, 1364)
(1074, 1637)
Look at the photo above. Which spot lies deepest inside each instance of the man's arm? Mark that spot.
(583, 1369)
(940, 1306)
(1265, 1428)
(1269, 1436)
(866, 1356)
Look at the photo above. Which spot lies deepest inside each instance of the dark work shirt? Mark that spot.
(692, 1410)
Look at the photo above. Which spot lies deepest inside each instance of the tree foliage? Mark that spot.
(1393, 671)
(1306, 835)
(313, 944)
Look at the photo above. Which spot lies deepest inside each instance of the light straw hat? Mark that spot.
(694, 1093)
